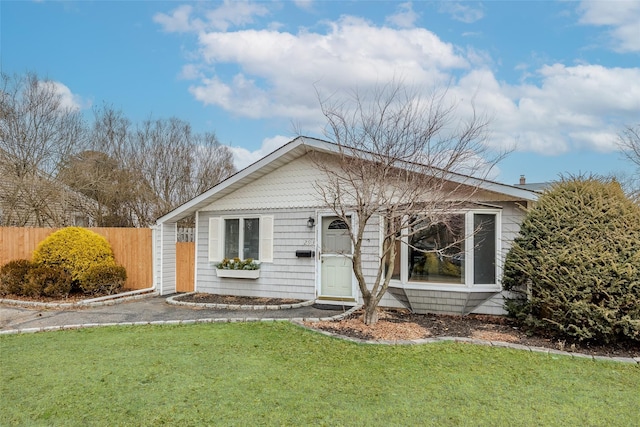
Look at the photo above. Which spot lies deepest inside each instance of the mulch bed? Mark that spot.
(71, 298)
(204, 298)
(404, 325)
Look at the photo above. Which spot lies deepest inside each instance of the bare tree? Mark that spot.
(37, 133)
(177, 164)
(629, 142)
(128, 175)
(139, 173)
(101, 179)
(404, 160)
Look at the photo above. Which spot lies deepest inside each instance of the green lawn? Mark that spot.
(281, 374)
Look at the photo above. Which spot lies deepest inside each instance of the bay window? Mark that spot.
(436, 251)
(459, 250)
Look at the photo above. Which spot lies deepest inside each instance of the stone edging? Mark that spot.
(95, 302)
(295, 320)
(549, 351)
(172, 300)
(300, 322)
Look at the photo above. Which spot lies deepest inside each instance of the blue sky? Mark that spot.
(560, 79)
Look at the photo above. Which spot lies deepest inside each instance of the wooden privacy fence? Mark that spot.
(185, 266)
(132, 248)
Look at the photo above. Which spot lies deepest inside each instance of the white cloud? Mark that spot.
(278, 70)
(572, 108)
(304, 4)
(228, 14)
(622, 17)
(555, 109)
(243, 157)
(405, 17)
(462, 12)
(190, 72)
(234, 13)
(67, 99)
(179, 21)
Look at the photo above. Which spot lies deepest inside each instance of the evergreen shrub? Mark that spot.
(574, 269)
(104, 280)
(49, 281)
(76, 250)
(12, 276)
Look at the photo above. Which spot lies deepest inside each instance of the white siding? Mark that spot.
(286, 277)
(289, 194)
(291, 186)
(512, 217)
(168, 233)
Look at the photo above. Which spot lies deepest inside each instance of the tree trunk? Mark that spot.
(370, 316)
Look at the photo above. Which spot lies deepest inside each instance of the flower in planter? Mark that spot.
(238, 264)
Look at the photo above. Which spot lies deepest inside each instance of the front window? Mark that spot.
(462, 249)
(436, 250)
(242, 238)
(484, 249)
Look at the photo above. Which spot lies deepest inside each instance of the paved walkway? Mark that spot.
(145, 310)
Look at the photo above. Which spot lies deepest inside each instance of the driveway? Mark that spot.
(150, 309)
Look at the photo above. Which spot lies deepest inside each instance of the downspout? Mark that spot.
(156, 262)
(195, 252)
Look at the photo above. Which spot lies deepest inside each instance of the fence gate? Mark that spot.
(185, 266)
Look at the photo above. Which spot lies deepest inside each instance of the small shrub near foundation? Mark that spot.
(103, 280)
(43, 280)
(12, 276)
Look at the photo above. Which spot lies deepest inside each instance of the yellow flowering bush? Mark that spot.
(76, 250)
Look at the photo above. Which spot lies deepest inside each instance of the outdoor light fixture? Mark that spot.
(311, 222)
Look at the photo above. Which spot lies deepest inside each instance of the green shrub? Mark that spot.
(104, 280)
(49, 281)
(12, 276)
(238, 264)
(75, 250)
(574, 270)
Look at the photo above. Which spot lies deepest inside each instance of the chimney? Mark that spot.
(523, 180)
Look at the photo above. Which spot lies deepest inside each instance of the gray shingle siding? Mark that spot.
(168, 266)
(287, 277)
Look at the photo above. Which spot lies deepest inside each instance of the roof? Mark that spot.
(535, 186)
(294, 149)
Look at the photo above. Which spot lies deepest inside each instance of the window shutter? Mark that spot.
(215, 236)
(266, 239)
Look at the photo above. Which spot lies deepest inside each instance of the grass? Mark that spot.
(280, 374)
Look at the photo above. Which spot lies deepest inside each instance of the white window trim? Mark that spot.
(468, 256)
(217, 236)
(470, 246)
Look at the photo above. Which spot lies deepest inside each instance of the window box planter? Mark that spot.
(238, 274)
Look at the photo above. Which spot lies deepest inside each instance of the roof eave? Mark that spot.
(302, 145)
(206, 198)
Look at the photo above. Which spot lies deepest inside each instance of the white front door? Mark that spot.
(335, 256)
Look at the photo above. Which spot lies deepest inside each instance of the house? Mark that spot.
(272, 212)
(41, 201)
